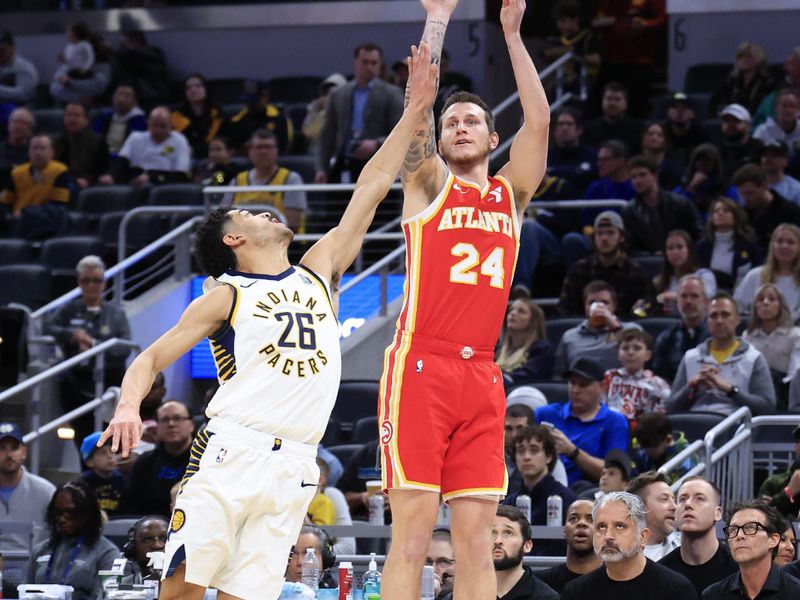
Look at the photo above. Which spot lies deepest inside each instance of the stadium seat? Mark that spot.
(15, 252)
(296, 112)
(557, 327)
(652, 264)
(176, 194)
(355, 399)
(554, 391)
(62, 254)
(31, 285)
(14, 347)
(303, 164)
(344, 452)
(695, 425)
(105, 198)
(49, 120)
(231, 109)
(333, 433)
(706, 78)
(365, 430)
(303, 88)
(142, 230)
(655, 325)
(179, 218)
(225, 90)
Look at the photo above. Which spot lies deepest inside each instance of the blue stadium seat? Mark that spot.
(655, 325)
(304, 165)
(365, 430)
(706, 78)
(49, 120)
(176, 194)
(225, 90)
(142, 230)
(652, 264)
(554, 391)
(695, 425)
(25, 284)
(105, 198)
(15, 252)
(355, 399)
(62, 254)
(344, 452)
(557, 327)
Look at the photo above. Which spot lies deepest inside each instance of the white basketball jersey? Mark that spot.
(278, 357)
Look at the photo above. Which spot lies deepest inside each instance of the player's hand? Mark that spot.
(124, 430)
(511, 15)
(439, 6)
(423, 77)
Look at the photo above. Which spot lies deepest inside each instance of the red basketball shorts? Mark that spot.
(441, 412)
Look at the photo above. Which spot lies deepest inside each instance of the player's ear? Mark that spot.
(494, 140)
(233, 240)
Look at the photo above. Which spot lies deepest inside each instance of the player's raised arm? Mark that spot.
(528, 156)
(202, 317)
(337, 250)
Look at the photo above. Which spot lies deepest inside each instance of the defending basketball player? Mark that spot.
(275, 337)
(442, 401)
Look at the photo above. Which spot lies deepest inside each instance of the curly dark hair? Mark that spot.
(214, 256)
(86, 508)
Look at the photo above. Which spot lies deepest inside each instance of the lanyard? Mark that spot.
(76, 549)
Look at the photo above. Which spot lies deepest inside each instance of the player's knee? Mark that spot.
(413, 548)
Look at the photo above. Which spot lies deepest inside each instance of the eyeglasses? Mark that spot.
(153, 540)
(170, 420)
(70, 513)
(751, 528)
(442, 563)
(90, 280)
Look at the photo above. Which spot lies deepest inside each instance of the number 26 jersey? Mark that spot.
(460, 257)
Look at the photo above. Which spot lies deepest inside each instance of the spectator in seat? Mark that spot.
(655, 492)
(77, 57)
(609, 263)
(157, 471)
(749, 82)
(362, 466)
(76, 549)
(78, 326)
(654, 212)
(581, 559)
(315, 111)
(359, 116)
(729, 248)
(785, 126)
(765, 208)
(725, 372)
(791, 68)
(263, 152)
(704, 179)
(655, 443)
(700, 557)
(584, 428)
(37, 193)
(148, 534)
(316, 538)
(679, 260)
(595, 337)
(672, 343)
(142, 65)
(125, 117)
(158, 155)
(102, 475)
(524, 355)
(782, 490)
(23, 495)
(614, 123)
(511, 532)
(92, 84)
(616, 473)
(198, 117)
(774, 160)
(568, 157)
(656, 148)
(736, 146)
(83, 151)
(18, 76)
(572, 37)
(443, 560)
(330, 472)
(787, 549)
(613, 180)
(259, 113)
(14, 149)
(684, 132)
(217, 169)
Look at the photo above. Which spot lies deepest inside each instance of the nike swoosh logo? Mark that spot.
(248, 285)
(304, 484)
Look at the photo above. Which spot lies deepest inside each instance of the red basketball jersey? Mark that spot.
(460, 257)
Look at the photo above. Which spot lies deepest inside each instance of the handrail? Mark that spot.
(112, 394)
(740, 416)
(65, 365)
(614, 202)
(372, 269)
(546, 72)
(681, 456)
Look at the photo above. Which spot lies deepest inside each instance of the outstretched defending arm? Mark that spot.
(336, 251)
(528, 156)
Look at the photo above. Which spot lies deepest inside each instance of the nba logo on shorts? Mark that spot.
(386, 432)
(419, 366)
(221, 455)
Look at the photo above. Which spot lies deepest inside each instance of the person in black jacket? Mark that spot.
(655, 212)
(524, 354)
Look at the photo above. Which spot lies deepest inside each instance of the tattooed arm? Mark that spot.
(424, 172)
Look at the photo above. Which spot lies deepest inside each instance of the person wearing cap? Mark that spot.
(124, 117)
(616, 471)
(23, 495)
(102, 474)
(18, 75)
(609, 263)
(683, 131)
(584, 429)
(654, 212)
(765, 208)
(774, 160)
(700, 557)
(315, 111)
(782, 490)
(359, 116)
(736, 146)
(785, 125)
(258, 113)
(723, 373)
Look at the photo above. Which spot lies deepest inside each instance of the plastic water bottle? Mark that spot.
(524, 504)
(372, 580)
(427, 588)
(310, 570)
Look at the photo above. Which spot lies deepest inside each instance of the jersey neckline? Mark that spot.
(277, 277)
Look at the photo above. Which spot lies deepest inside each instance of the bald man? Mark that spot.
(158, 155)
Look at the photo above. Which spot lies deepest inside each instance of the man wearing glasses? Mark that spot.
(157, 471)
(753, 532)
(78, 326)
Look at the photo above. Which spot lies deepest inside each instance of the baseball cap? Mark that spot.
(777, 146)
(737, 111)
(10, 430)
(333, 80)
(618, 458)
(677, 98)
(252, 90)
(586, 368)
(609, 217)
(89, 445)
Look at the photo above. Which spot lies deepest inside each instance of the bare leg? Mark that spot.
(413, 517)
(471, 527)
(175, 588)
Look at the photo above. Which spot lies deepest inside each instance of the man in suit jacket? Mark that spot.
(360, 115)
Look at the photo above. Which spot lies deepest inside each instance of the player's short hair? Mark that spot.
(463, 96)
(215, 257)
(512, 513)
(629, 335)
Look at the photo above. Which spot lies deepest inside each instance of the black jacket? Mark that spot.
(646, 229)
(530, 588)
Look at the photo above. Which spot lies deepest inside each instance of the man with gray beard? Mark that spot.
(620, 535)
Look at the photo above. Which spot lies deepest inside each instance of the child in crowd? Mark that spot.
(103, 476)
(321, 510)
(573, 38)
(633, 390)
(78, 54)
(655, 443)
(616, 472)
